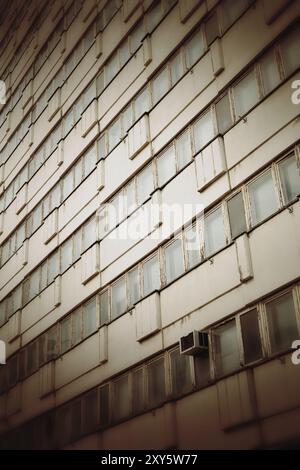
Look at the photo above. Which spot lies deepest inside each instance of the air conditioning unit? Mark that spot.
(195, 343)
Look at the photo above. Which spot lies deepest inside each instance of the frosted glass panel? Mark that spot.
(214, 232)
(262, 198)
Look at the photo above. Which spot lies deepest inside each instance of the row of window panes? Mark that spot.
(236, 343)
(252, 204)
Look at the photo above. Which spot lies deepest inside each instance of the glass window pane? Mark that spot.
(138, 390)
(237, 218)
(176, 66)
(68, 184)
(37, 218)
(174, 260)
(34, 284)
(114, 134)
(160, 85)
(112, 68)
(202, 370)
(104, 405)
(290, 50)
(212, 28)
(91, 410)
(131, 197)
(145, 184)
(66, 335)
(121, 405)
(154, 16)
(118, 298)
(104, 308)
(166, 165)
(192, 246)
(141, 103)
(183, 149)
(32, 358)
(231, 10)
(89, 317)
(76, 326)
(89, 233)
(194, 49)
(51, 344)
(44, 275)
(89, 160)
(66, 255)
(282, 322)
(77, 242)
(270, 71)
(223, 114)
(124, 53)
(136, 37)
(53, 267)
(214, 232)
(151, 276)
(290, 178)
(156, 382)
(181, 373)
(203, 131)
(246, 94)
(251, 336)
(127, 118)
(133, 286)
(262, 198)
(227, 350)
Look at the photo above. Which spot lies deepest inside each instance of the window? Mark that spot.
(114, 134)
(77, 245)
(131, 196)
(236, 212)
(89, 233)
(34, 284)
(51, 343)
(76, 420)
(145, 184)
(166, 165)
(43, 274)
(66, 255)
(224, 118)
(127, 118)
(227, 350)
(68, 184)
(203, 131)
(118, 298)
(136, 37)
(231, 10)
(183, 149)
(133, 286)
(269, 71)
(160, 85)
(76, 327)
(41, 347)
(2, 312)
(138, 392)
(194, 49)
(124, 52)
(290, 178)
(89, 161)
(176, 66)
(121, 405)
(262, 198)
(13, 371)
(141, 103)
(174, 260)
(154, 16)
(112, 67)
(181, 373)
(212, 28)
(251, 336)
(245, 94)
(290, 51)
(282, 324)
(192, 246)
(214, 232)
(104, 308)
(32, 356)
(53, 267)
(89, 317)
(66, 334)
(91, 411)
(104, 405)
(156, 381)
(151, 276)
(17, 298)
(37, 218)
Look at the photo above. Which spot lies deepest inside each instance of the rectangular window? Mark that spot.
(282, 323)
(212, 30)
(17, 298)
(215, 238)
(77, 242)
(44, 273)
(166, 165)
(114, 134)
(32, 358)
(131, 196)
(112, 68)
(183, 149)
(13, 371)
(194, 49)
(118, 298)
(192, 246)
(262, 198)
(154, 16)
(76, 326)
(290, 46)
(138, 391)
(51, 344)
(269, 71)
(156, 381)
(290, 178)
(145, 184)
(34, 284)
(66, 334)
(127, 118)
(227, 350)
(174, 260)
(42, 349)
(160, 85)
(89, 233)
(89, 161)
(136, 37)
(231, 10)
(53, 267)
(237, 218)
(104, 405)
(133, 286)
(124, 52)
(181, 373)
(89, 317)
(151, 275)
(251, 336)
(66, 255)
(91, 406)
(203, 131)
(68, 184)
(121, 405)
(141, 104)
(2, 312)
(223, 113)
(176, 67)
(246, 94)
(75, 420)
(104, 308)
(37, 218)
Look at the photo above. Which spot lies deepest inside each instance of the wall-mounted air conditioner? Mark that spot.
(195, 343)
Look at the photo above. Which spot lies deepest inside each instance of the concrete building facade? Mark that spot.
(177, 121)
